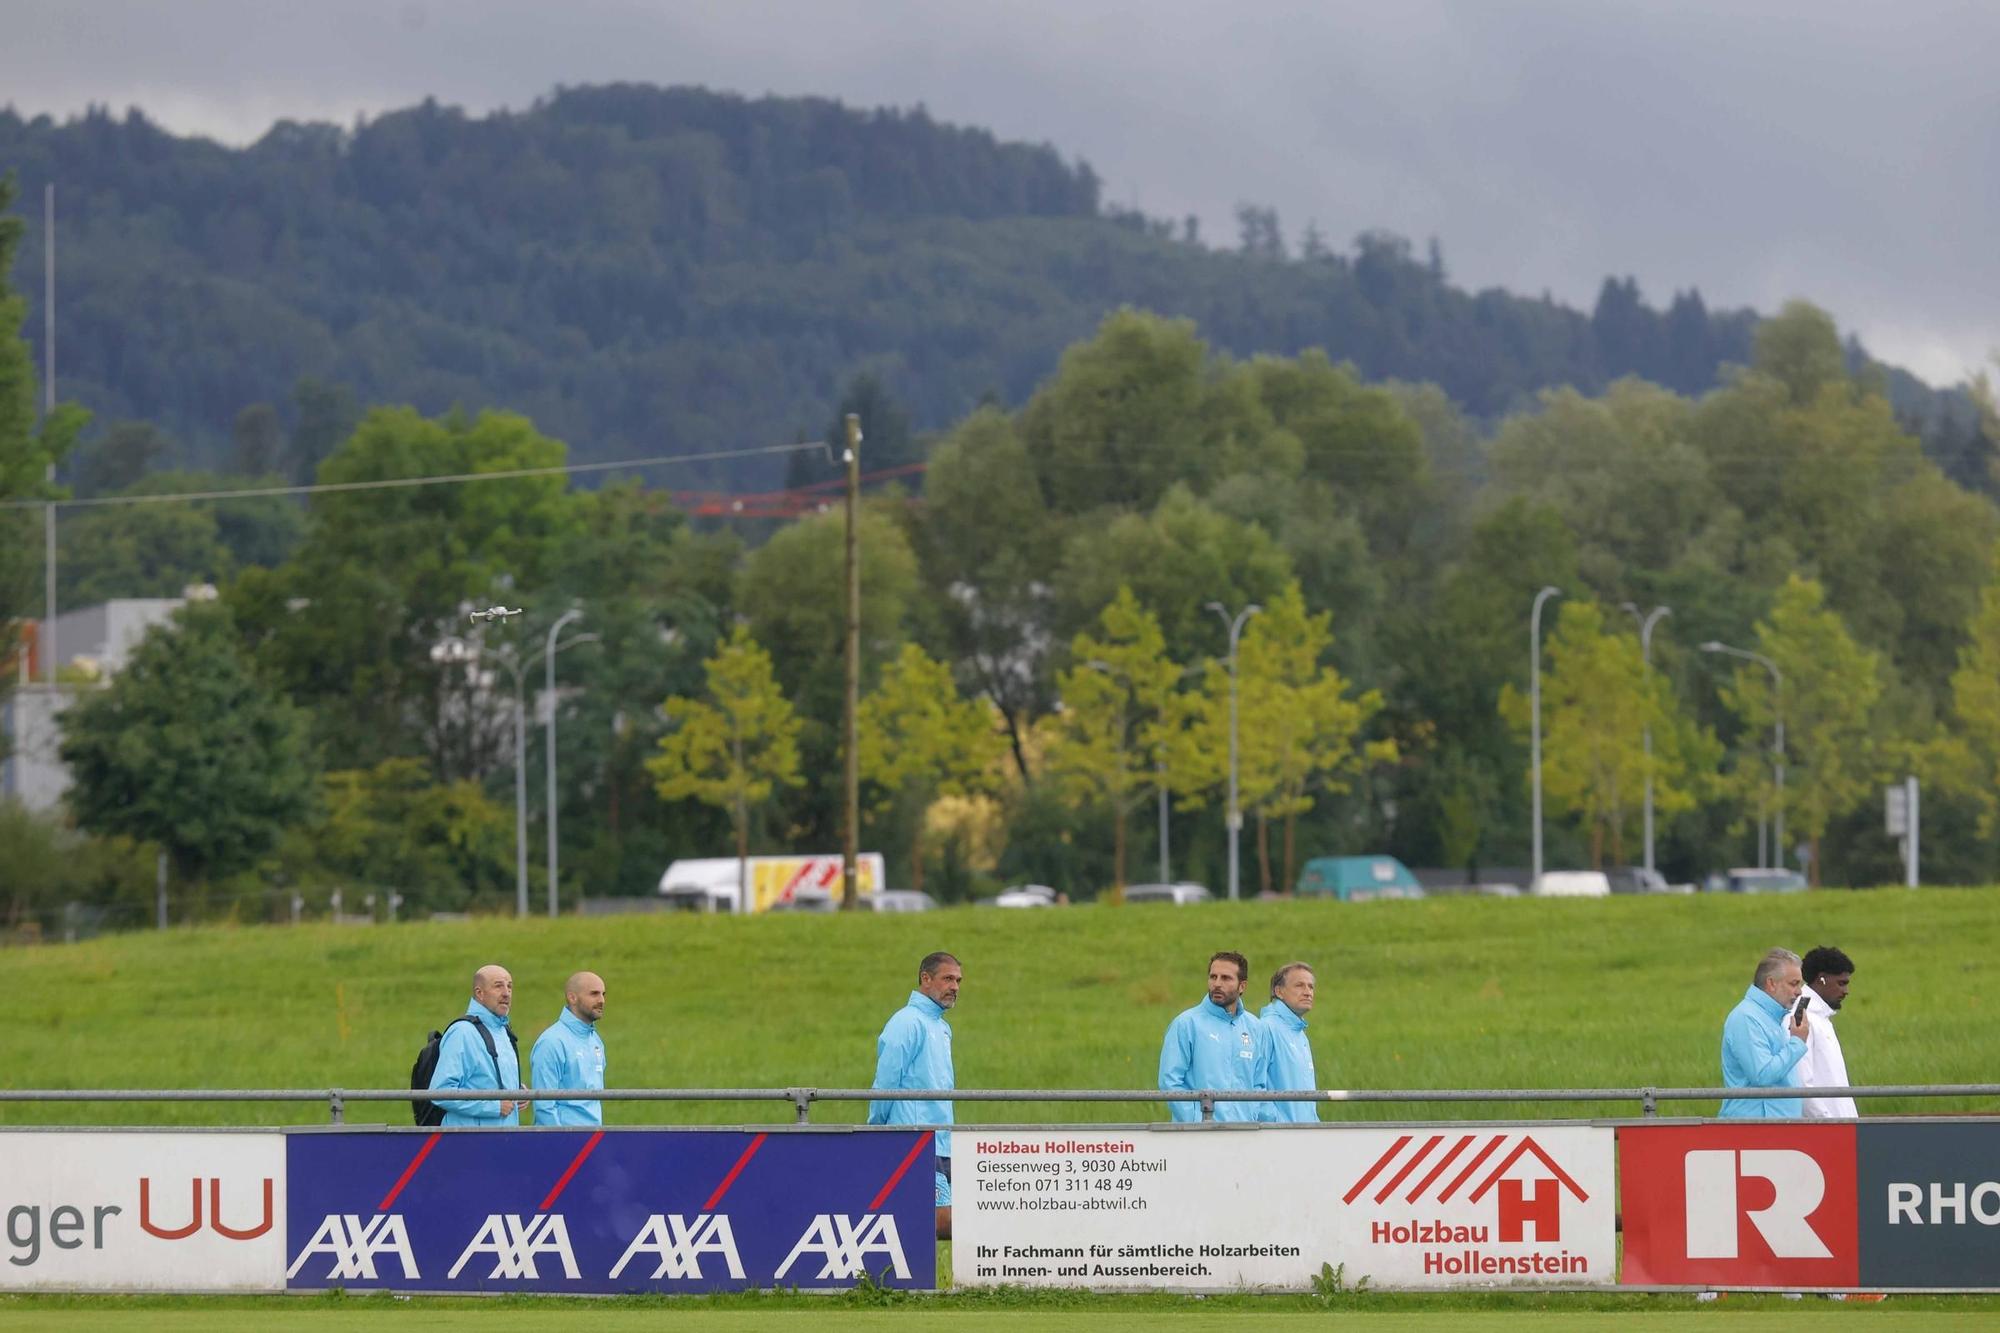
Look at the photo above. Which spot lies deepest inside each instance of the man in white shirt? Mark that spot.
(1827, 972)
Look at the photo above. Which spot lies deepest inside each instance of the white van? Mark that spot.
(1572, 884)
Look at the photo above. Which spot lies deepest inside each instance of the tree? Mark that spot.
(734, 749)
(1598, 699)
(443, 846)
(188, 750)
(987, 550)
(258, 438)
(1830, 688)
(1121, 420)
(1975, 691)
(361, 623)
(27, 450)
(919, 740)
(1174, 561)
(1114, 712)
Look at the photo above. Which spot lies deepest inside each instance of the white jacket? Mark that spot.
(1823, 1065)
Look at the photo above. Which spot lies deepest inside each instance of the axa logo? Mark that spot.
(514, 1241)
(1442, 1172)
(354, 1243)
(678, 1244)
(195, 1215)
(845, 1243)
(1714, 1202)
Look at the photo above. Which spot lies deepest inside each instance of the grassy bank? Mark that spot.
(1448, 993)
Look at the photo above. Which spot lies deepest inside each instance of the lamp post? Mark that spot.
(1235, 816)
(1535, 714)
(1646, 623)
(508, 660)
(1778, 717)
(549, 688)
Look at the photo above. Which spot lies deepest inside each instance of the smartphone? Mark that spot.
(1799, 1009)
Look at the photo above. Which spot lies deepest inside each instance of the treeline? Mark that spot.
(1042, 649)
(644, 271)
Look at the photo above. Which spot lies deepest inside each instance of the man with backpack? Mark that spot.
(479, 1052)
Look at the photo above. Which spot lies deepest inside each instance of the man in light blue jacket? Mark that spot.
(570, 1055)
(914, 1053)
(1762, 1044)
(1288, 1055)
(469, 1062)
(1217, 1046)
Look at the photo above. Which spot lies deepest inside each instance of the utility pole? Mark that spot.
(850, 842)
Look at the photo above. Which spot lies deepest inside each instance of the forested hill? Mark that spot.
(645, 270)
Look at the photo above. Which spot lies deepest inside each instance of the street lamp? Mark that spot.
(1778, 716)
(1646, 623)
(1535, 712)
(507, 660)
(1235, 817)
(549, 688)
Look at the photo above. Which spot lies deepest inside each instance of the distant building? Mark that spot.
(100, 638)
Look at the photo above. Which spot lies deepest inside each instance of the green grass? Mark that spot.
(1449, 993)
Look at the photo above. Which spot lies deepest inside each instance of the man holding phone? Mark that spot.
(1764, 1039)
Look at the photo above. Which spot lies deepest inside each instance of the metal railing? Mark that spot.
(802, 1099)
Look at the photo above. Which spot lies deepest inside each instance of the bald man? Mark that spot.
(473, 1058)
(569, 1055)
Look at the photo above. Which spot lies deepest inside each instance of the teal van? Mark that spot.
(1358, 879)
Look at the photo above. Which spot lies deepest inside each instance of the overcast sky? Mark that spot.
(1842, 150)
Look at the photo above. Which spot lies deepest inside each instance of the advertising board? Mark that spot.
(1929, 1204)
(1217, 1209)
(142, 1211)
(1740, 1204)
(608, 1212)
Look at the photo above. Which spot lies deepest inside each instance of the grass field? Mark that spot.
(1039, 1313)
(1440, 994)
(1448, 993)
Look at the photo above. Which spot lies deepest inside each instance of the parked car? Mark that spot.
(1635, 879)
(1571, 884)
(1745, 879)
(1026, 895)
(900, 900)
(1357, 879)
(1177, 894)
(882, 900)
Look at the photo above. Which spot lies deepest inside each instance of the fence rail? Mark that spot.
(802, 1099)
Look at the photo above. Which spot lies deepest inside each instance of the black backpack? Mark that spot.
(429, 1112)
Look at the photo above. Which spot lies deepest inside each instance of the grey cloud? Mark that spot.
(1833, 150)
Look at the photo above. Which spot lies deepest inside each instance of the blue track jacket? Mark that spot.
(1288, 1062)
(1757, 1052)
(568, 1054)
(1209, 1049)
(914, 1051)
(464, 1063)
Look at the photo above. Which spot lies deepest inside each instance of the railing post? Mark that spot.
(1207, 1106)
(337, 1106)
(802, 1098)
(1648, 1103)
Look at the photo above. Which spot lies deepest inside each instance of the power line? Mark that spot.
(397, 483)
